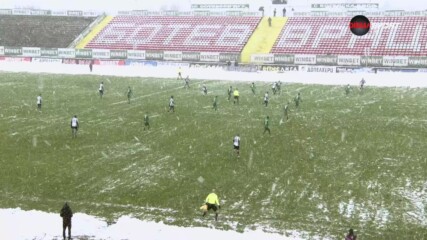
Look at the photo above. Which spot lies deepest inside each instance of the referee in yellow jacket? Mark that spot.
(212, 202)
(236, 96)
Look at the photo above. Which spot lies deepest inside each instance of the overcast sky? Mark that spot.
(114, 5)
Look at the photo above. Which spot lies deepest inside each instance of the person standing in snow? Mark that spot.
(66, 215)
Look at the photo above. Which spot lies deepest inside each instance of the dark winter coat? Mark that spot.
(66, 212)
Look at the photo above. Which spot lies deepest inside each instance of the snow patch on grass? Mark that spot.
(416, 206)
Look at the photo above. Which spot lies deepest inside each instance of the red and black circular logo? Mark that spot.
(360, 25)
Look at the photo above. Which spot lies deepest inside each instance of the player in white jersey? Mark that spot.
(171, 104)
(101, 89)
(274, 87)
(39, 102)
(236, 144)
(266, 99)
(74, 125)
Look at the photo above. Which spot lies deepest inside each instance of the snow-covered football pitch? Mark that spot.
(339, 162)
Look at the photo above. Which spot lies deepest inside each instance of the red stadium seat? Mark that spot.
(319, 35)
(184, 33)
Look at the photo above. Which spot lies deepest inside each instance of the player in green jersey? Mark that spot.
(146, 122)
(297, 100)
(253, 88)
(230, 91)
(267, 124)
(215, 103)
(129, 94)
(347, 89)
(286, 111)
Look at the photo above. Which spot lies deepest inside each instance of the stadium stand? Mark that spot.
(183, 33)
(41, 31)
(389, 36)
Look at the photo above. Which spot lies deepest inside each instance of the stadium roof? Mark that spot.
(181, 5)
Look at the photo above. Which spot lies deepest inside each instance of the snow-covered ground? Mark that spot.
(18, 224)
(382, 79)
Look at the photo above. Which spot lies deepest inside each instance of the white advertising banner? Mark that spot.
(66, 53)
(59, 13)
(136, 54)
(172, 56)
(262, 58)
(101, 53)
(209, 57)
(347, 60)
(31, 52)
(395, 61)
(305, 59)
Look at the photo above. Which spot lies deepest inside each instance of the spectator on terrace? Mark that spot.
(284, 12)
(350, 235)
(269, 21)
(274, 13)
(261, 9)
(228, 65)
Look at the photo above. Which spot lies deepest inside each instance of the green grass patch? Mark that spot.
(339, 162)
